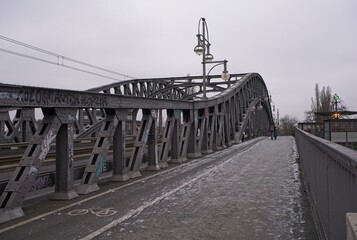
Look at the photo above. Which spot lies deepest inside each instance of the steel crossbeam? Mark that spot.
(193, 126)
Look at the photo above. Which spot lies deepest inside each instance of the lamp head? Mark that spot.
(199, 49)
(225, 75)
(208, 57)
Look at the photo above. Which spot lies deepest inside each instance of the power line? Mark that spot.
(26, 56)
(58, 56)
(55, 63)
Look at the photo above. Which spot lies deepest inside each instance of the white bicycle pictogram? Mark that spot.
(97, 211)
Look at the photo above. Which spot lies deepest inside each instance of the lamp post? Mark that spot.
(336, 100)
(203, 48)
(258, 94)
(225, 75)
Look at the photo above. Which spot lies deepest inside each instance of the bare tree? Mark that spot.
(323, 102)
(309, 116)
(287, 124)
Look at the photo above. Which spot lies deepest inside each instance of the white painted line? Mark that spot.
(93, 197)
(137, 211)
(80, 202)
(101, 194)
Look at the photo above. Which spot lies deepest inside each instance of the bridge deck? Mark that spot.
(249, 191)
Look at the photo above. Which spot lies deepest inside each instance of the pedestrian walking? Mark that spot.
(273, 133)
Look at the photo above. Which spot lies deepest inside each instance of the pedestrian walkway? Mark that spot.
(248, 191)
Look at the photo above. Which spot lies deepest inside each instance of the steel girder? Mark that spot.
(191, 128)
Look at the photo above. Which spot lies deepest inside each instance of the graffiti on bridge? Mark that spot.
(41, 182)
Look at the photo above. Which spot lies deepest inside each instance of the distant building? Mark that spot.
(341, 131)
(316, 129)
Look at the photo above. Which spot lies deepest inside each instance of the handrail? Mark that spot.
(330, 172)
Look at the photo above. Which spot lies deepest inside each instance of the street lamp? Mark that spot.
(203, 48)
(225, 74)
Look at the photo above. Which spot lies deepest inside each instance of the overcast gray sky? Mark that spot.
(293, 44)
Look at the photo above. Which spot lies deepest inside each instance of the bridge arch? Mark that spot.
(237, 109)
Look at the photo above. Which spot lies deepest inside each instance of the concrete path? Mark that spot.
(249, 191)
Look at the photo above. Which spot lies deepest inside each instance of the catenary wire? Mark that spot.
(59, 56)
(56, 63)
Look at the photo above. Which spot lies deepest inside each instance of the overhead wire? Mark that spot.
(59, 56)
(56, 63)
(26, 56)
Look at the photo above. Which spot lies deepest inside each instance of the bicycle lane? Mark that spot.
(119, 204)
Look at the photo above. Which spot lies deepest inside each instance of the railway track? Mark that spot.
(11, 154)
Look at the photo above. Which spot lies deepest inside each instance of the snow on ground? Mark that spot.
(252, 194)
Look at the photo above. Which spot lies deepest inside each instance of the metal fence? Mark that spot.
(330, 175)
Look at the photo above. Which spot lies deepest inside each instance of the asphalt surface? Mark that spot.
(248, 191)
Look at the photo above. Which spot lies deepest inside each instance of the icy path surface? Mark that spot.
(254, 194)
(248, 191)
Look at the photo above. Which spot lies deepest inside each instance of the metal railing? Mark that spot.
(330, 174)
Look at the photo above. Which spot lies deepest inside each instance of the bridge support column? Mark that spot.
(175, 149)
(227, 123)
(236, 119)
(159, 131)
(218, 142)
(18, 186)
(213, 127)
(119, 160)
(180, 141)
(196, 134)
(28, 121)
(81, 118)
(204, 133)
(167, 138)
(78, 125)
(232, 109)
(153, 162)
(208, 132)
(97, 160)
(64, 189)
(133, 130)
(141, 140)
(23, 126)
(5, 121)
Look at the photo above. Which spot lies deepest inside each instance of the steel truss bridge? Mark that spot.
(176, 123)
